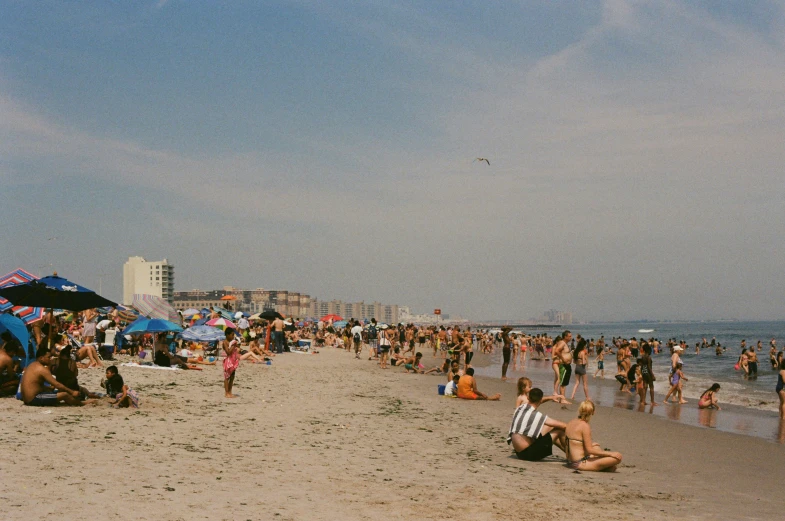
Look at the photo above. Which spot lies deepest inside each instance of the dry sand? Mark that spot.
(328, 437)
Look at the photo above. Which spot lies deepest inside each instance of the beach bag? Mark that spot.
(736, 367)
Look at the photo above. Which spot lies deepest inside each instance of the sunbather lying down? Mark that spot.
(164, 358)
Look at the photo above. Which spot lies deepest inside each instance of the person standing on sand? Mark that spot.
(581, 356)
(647, 374)
(506, 350)
(357, 338)
(232, 361)
(278, 335)
(780, 388)
(562, 363)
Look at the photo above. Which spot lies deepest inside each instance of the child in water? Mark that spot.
(708, 399)
(676, 383)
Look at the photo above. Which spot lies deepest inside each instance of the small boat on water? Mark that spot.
(645, 331)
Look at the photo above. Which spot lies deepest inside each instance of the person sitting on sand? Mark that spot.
(525, 386)
(583, 454)
(67, 373)
(451, 389)
(120, 394)
(84, 351)
(396, 358)
(467, 388)
(412, 364)
(33, 390)
(9, 379)
(164, 358)
(532, 434)
(708, 399)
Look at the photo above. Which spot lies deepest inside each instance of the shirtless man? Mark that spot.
(33, 390)
(278, 335)
(561, 358)
(752, 363)
(442, 341)
(8, 379)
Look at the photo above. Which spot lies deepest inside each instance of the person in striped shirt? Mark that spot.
(533, 434)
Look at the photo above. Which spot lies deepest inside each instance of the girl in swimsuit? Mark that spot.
(582, 453)
(708, 399)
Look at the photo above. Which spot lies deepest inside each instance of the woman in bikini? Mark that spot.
(780, 388)
(581, 357)
(582, 453)
(708, 399)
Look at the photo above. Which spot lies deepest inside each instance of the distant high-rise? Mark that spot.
(148, 278)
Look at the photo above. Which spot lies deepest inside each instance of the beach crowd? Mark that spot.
(94, 338)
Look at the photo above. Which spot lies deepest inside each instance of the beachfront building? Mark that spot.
(553, 316)
(287, 303)
(387, 313)
(147, 278)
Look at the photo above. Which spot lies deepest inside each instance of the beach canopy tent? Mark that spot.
(202, 334)
(26, 313)
(155, 307)
(54, 292)
(16, 327)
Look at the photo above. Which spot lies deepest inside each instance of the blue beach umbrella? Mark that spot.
(54, 292)
(151, 325)
(202, 334)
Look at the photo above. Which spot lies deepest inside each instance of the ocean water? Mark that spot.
(707, 368)
(749, 405)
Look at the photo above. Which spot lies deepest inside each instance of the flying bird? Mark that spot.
(481, 159)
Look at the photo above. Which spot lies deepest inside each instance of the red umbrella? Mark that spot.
(333, 318)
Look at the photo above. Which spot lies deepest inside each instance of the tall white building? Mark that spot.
(148, 278)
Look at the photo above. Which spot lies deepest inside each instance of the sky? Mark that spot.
(635, 147)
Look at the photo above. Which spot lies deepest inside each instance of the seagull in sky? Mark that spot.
(481, 159)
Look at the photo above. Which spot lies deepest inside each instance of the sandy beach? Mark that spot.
(329, 437)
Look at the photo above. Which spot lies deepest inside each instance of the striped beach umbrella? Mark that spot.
(221, 323)
(155, 307)
(26, 313)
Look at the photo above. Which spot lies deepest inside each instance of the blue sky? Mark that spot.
(636, 151)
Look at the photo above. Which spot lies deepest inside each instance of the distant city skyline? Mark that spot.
(634, 151)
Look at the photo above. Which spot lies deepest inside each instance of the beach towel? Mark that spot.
(132, 364)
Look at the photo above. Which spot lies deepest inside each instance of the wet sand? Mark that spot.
(327, 436)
